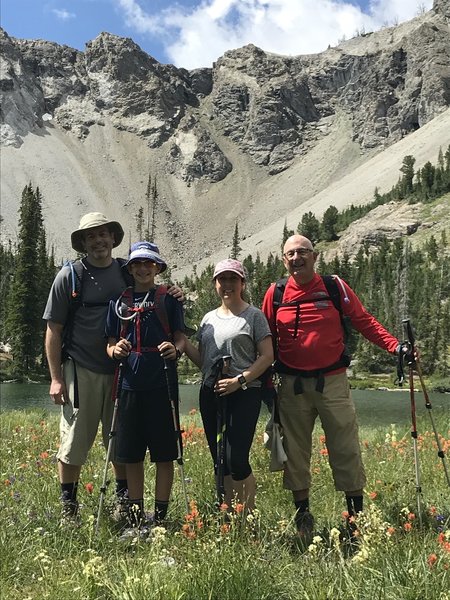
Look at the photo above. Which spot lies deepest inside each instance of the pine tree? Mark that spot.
(407, 169)
(309, 227)
(328, 227)
(140, 223)
(24, 321)
(235, 248)
(286, 234)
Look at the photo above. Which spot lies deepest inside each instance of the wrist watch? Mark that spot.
(242, 381)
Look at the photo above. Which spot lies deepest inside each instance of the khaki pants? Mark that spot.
(337, 414)
(79, 425)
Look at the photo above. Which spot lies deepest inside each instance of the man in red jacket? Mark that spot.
(311, 362)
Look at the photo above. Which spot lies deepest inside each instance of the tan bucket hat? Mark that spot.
(91, 220)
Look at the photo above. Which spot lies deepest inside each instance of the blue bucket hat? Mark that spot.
(146, 251)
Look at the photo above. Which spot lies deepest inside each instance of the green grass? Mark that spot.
(257, 559)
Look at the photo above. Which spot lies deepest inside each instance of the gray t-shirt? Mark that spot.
(237, 336)
(87, 343)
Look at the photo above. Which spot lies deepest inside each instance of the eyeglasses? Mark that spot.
(143, 261)
(303, 252)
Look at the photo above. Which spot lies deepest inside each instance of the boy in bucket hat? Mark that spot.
(145, 330)
(81, 372)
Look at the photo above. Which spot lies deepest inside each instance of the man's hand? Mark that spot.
(176, 292)
(168, 350)
(58, 391)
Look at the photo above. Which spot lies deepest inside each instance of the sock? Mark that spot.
(121, 488)
(135, 512)
(69, 491)
(354, 505)
(161, 507)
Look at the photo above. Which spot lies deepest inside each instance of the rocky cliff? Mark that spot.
(224, 144)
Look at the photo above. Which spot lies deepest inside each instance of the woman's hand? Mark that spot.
(227, 386)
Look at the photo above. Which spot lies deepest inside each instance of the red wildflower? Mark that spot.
(431, 560)
(188, 531)
(239, 508)
(411, 516)
(43, 455)
(407, 526)
(89, 487)
(373, 495)
(324, 452)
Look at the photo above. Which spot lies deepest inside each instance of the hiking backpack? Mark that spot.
(77, 269)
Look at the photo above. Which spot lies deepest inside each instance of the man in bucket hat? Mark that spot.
(81, 371)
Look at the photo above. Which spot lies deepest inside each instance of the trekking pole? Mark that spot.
(223, 369)
(407, 353)
(121, 310)
(177, 430)
(415, 363)
(112, 433)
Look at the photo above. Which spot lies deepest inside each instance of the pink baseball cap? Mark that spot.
(229, 264)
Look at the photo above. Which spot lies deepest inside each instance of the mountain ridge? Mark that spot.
(257, 139)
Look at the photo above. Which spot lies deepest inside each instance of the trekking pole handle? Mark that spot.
(409, 331)
(226, 365)
(408, 349)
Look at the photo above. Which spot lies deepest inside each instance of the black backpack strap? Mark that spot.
(76, 278)
(278, 293)
(333, 291)
(161, 309)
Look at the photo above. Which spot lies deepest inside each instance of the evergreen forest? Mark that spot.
(399, 280)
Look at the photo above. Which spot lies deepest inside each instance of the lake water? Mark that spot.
(374, 407)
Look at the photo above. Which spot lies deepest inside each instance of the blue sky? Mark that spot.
(194, 33)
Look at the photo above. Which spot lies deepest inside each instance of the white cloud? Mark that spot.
(63, 14)
(196, 36)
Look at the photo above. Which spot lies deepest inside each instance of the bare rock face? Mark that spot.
(252, 140)
(442, 7)
(272, 108)
(262, 102)
(194, 155)
(385, 222)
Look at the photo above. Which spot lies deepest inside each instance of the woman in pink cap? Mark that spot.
(235, 349)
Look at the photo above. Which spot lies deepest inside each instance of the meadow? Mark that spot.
(200, 556)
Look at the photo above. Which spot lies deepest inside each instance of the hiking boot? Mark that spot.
(70, 513)
(350, 538)
(120, 513)
(305, 526)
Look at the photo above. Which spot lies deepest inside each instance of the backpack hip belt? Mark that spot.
(280, 367)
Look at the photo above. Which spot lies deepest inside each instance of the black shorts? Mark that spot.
(145, 420)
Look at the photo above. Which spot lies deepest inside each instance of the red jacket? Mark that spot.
(315, 340)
